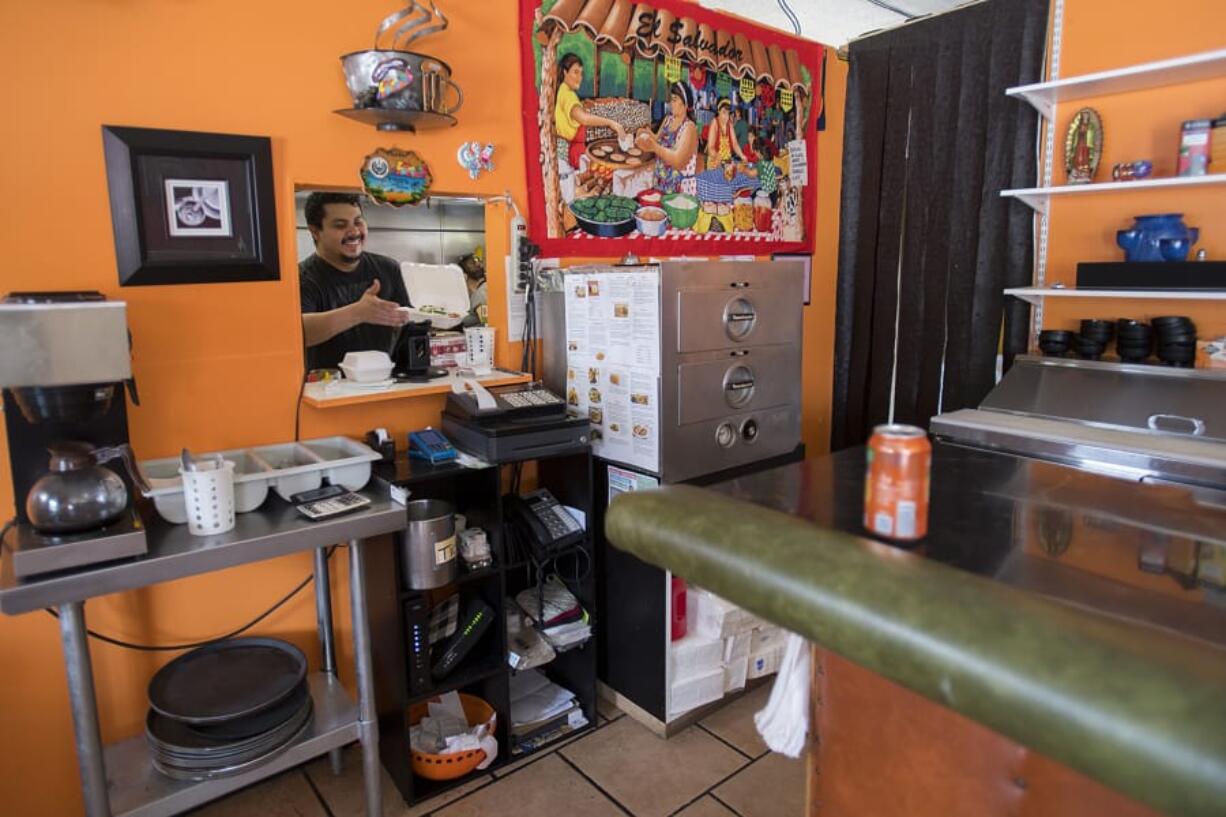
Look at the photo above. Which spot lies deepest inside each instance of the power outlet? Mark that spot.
(516, 280)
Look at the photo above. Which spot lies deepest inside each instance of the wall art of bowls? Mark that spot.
(395, 177)
(1083, 146)
(1144, 240)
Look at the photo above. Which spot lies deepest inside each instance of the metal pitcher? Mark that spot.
(79, 494)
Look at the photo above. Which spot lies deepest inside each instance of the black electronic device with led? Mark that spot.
(477, 618)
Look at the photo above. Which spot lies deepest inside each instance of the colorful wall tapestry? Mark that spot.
(664, 128)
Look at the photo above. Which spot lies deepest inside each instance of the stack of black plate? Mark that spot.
(224, 708)
(1093, 339)
(1133, 340)
(1176, 340)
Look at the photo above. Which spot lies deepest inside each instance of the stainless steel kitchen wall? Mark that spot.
(439, 231)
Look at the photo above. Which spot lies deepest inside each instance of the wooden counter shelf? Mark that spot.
(320, 396)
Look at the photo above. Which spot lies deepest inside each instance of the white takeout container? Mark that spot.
(437, 285)
(366, 367)
(287, 468)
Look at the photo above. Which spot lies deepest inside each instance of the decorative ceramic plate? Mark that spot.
(1083, 146)
(395, 177)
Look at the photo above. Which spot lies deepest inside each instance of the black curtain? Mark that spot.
(926, 243)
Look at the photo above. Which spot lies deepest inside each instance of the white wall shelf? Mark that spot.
(1035, 295)
(1039, 197)
(1043, 96)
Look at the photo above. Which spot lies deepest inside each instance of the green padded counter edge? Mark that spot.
(1141, 711)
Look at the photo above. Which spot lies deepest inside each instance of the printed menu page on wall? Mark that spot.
(613, 354)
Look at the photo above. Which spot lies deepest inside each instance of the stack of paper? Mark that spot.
(541, 708)
(525, 646)
(557, 614)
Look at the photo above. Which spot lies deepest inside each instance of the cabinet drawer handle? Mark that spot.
(1198, 425)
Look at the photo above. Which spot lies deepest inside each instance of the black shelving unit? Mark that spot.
(478, 494)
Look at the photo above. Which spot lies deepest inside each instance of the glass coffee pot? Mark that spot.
(79, 494)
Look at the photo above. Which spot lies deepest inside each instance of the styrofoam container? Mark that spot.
(287, 468)
(366, 367)
(693, 655)
(436, 287)
(694, 692)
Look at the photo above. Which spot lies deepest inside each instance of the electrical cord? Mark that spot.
(4, 529)
(791, 15)
(301, 391)
(128, 645)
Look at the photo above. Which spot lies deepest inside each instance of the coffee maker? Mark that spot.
(64, 365)
(411, 354)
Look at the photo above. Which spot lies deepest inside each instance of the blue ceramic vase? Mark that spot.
(1158, 237)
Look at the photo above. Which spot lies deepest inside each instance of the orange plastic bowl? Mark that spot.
(456, 764)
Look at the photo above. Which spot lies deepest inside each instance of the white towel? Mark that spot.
(784, 722)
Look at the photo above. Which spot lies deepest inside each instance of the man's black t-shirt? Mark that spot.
(323, 287)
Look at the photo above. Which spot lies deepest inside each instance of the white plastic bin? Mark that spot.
(250, 484)
(286, 467)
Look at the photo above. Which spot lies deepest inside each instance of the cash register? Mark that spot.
(511, 423)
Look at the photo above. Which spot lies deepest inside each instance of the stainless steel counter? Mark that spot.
(1150, 554)
(120, 779)
(274, 530)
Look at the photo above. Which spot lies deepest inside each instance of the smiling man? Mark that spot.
(351, 299)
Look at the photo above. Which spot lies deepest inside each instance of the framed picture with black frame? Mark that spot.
(807, 260)
(191, 208)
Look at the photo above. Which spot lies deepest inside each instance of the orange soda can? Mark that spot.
(896, 477)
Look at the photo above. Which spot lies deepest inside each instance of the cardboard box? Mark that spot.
(736, 661)
(738, 646)
(1211, 354)
(694, 692)
(766, 650)
(736, 673)
(766, 638)
(766, 663)
(693, 656)
(447, 349)
(712, 617)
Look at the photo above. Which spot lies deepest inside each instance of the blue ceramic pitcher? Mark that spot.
(1157, 237)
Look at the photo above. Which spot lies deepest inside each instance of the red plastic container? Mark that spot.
(679, 620)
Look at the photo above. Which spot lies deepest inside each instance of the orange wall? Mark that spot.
(1098, 36)
(218, 365)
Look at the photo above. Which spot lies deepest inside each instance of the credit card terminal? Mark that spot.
(431, 446)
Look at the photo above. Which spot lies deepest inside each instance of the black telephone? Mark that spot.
(511, 403)
(542, 524)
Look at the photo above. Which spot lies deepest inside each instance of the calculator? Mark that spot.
(333, 506)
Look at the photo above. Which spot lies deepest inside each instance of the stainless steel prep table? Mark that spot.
(120, 779)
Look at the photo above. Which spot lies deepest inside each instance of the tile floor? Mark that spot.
(716, 768)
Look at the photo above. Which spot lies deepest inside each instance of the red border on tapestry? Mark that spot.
(810, 56)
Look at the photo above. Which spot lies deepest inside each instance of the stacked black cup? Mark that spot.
(1133, 340)
(1092, 341)
(1055, 342)
(1176, 340)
